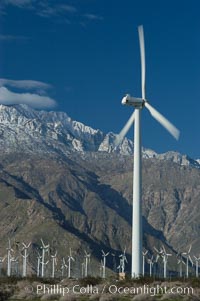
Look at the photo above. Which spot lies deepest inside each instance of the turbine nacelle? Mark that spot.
(132, 101)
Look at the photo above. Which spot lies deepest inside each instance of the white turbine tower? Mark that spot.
(54, 263)
(150, 262)
(165, 256)
(14, 269)
(114, 262)
(63, 266)
(197, 259)
(87, 261)
(9, 257)
(139, 104)
(45, 248)
(70, 258)
(188, 257)
(1, 263)
(39, 258)
(83, 269)
(180, 262)
(24, 256)
(123, 259)
(104, 255)
(144, 253)
(101, 269)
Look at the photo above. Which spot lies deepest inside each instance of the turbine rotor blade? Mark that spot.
(125, 129)
(142, 57)
(156, 249)
(164, 249)
(163, 121)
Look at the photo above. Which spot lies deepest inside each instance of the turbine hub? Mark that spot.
(133, 101)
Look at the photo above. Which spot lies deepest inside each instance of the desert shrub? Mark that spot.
(94, 297)
(90, 281)
(5, 295)
(48, 297)
(108, 297)
(68, 297)
(144, 297)
(194, 282)
(140, 281)
(9, 280)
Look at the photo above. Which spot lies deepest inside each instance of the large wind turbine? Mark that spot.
(139, 104)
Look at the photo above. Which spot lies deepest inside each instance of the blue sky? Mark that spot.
(82, 56)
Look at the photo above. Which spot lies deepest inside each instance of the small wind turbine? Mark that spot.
(188, 257)
(69, 262)
(159, 254)
(14, 270)
(101, 269)
(165, 256)
(83, 269)
(39, 258)
(197, 259)
(144, 253)
(9, 256)
(114, 262)
(104, 255)
(45, 248)
(139, 104)
(63, 266)
(150, 262)
(87, 261)
(24, 256)
(123, 259)
(180, 262)
(1, 263)
(54, 263)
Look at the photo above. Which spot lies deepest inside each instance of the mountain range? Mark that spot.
(23, 129)
(68, 183)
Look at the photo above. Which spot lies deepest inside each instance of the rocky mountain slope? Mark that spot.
(23, 129)
(67, 183)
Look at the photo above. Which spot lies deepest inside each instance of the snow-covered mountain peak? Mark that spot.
(23, 129)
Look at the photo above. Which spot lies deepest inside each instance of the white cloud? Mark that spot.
(18, 3)
(43, 8)
(52, 9)
(67, 8)
(36, 101)
(93, 17)
(24, 84)
(12, 38)
(58, 10)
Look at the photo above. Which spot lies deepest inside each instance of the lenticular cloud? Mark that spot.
(24, 84)
(33, 100)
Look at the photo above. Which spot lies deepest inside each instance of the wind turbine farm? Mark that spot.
(82, 266)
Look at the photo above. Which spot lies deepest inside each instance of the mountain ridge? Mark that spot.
(46, 128)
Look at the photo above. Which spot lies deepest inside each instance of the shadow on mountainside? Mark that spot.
(108, 195)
